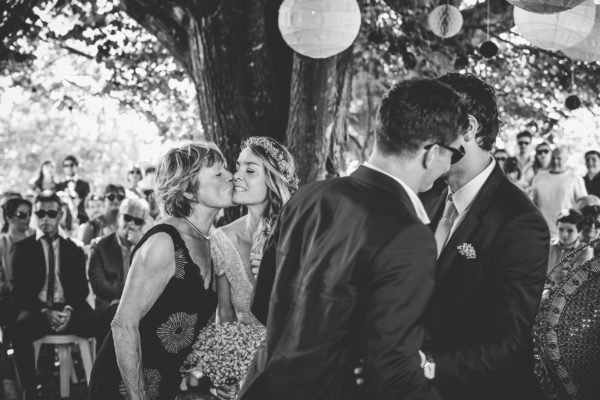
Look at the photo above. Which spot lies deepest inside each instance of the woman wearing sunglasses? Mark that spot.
(17, 215)
(541, 162)
(107, 222)
(169, 293)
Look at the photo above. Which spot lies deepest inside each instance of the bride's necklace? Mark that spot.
(196, 229)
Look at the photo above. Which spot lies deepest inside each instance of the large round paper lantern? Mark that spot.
(445, 21)
(556, 31)
(545, 6)
(319, 28)
(589, 48)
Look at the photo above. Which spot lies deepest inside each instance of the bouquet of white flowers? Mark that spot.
(223, 352)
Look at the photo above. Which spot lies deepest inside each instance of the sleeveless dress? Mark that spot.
(228, 261)
(167, 331)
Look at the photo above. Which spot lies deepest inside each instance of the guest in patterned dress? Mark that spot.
(264, 181)
(168, 295)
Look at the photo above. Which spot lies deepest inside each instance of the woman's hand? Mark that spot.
(227, 392)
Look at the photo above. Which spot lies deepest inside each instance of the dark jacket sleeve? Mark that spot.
(77, 281)
(265, 279)
(25, 297)
(399, 283)
(101, 286)
(518, 259)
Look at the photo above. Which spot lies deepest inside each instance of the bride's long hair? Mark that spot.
(281, 181)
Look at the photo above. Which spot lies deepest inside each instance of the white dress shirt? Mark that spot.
(463, 198)
(59, 297)
(416, 202)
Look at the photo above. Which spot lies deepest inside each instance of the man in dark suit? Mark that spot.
(349, 269)
(110, 258)
(74, 187)
(493, 252)
(50, 288)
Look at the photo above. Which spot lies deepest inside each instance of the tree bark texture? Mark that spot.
(320, 91)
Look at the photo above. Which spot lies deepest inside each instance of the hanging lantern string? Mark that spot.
(488, 19)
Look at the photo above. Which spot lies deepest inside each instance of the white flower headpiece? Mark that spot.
(279, 156)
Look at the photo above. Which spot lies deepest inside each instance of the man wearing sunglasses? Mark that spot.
(50, 288)
(524, 156)
(109, 261)
(74, 186)
(492, 258)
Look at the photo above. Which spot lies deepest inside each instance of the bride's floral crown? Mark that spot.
(280, 157)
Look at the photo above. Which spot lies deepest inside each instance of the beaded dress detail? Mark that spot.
(228, 261)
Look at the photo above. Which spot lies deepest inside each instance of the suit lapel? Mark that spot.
(470, 223)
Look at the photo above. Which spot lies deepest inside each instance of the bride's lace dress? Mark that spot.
(227, 261)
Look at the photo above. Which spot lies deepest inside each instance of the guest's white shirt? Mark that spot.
(59, 296)
(463, 198)
(417, 204)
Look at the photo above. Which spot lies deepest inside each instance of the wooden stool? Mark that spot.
(87, 347)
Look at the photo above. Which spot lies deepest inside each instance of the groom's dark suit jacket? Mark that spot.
(346, 275)
(482, 310)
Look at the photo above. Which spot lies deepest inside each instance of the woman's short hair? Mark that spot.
(112, 188)
(177, 174)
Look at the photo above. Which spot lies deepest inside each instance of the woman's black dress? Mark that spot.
(167, 331)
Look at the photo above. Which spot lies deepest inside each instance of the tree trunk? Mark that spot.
(321, 91)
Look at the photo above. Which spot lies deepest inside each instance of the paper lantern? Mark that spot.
(556, 31)
(589, 48)
(545, 6)
(488, 49)
(445, 21)
(319, 28)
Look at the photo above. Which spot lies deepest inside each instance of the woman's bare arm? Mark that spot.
(152, 268)
(225, 308)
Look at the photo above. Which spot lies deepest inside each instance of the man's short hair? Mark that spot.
(591, 153)
(48, 198)
(481, 104)
(571, 217)
(524, 134)
(418, 111)
(72, 159)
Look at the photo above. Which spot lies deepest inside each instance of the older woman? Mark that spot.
(168, 295)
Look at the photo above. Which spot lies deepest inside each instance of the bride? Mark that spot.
(264, 180)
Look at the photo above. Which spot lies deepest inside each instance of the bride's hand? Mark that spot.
(191, 380)
(225, 393)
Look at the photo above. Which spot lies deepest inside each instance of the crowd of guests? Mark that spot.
(58, 241)
(569, 203)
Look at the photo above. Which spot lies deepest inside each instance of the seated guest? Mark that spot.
(569, 226)
(74, 186)
(556, 189)
(590, 226)
(45, 178)
(109, 261)
(50, 288)
(16, 218)
(513, 172)
(592, 178)
(134, 176)
(107, 222)
(500, 155)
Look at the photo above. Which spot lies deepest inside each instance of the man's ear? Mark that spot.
(430, 155)
(472, 129)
